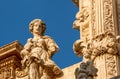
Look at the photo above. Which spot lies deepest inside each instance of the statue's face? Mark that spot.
(83, 65)
(37, 28)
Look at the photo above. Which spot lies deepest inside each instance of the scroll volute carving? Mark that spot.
(83, 20)
(82, 23)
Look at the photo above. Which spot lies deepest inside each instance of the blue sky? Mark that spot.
(58, 15)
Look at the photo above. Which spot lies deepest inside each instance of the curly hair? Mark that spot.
(31, 24)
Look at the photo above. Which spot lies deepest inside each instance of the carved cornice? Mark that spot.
(10, 61)
(11, 49)
(76, 2)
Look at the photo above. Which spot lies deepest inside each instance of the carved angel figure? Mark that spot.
(38, 51)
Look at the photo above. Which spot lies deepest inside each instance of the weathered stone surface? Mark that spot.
(116, 77)
(37, 52)
(10, 60)
(86, 70)
(98, 23)
(68, 72)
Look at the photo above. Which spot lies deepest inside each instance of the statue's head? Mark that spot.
(37, 23)
(83, 65)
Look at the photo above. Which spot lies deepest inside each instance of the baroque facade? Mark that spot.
(99, 24)
(10, 60)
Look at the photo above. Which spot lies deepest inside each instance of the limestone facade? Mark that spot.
(33, 60)
(10, 60)
(98, 23)
(11, 67)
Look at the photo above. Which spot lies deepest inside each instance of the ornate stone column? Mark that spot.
(98, 22)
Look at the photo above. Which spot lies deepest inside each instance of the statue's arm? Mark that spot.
(26, 48)
(51, 46)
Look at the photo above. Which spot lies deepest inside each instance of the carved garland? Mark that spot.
(102, 44)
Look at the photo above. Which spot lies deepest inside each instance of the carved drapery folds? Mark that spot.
(36, 54)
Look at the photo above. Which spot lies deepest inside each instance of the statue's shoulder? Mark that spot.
(29, 40)
(47, 37)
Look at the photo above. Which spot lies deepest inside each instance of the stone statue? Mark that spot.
(81, 73)
(86, 71)
(37, 52)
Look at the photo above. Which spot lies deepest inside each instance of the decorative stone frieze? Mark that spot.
(10, 60)
(101, 40)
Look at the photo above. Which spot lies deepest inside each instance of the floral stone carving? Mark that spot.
(101, 44)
